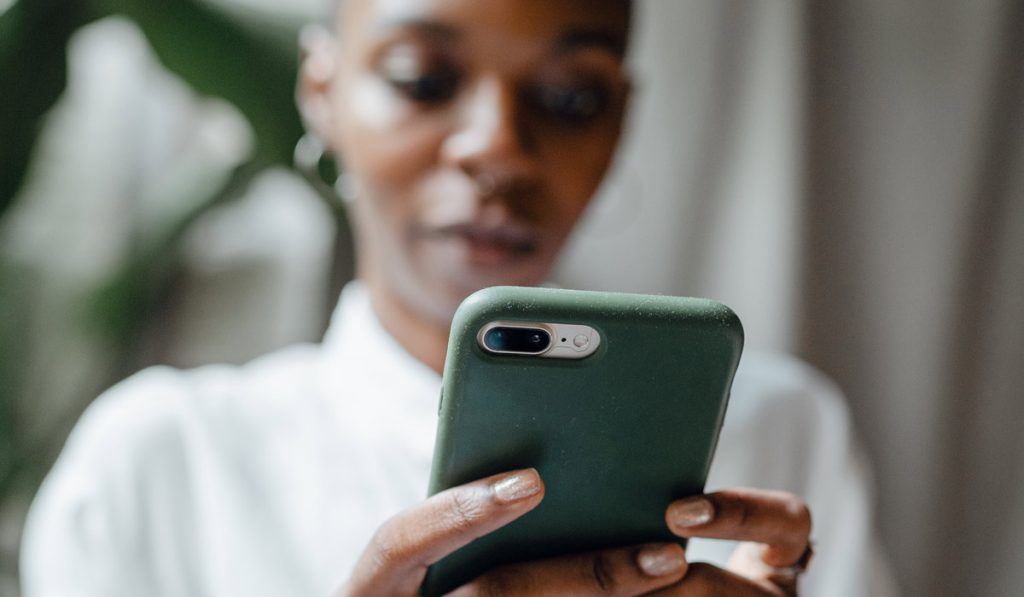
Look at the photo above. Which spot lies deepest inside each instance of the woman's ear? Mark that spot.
(316, 76)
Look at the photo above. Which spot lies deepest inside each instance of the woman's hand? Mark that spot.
(775, 527)
(397, 558)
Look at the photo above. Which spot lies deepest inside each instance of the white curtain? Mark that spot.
(850, 177)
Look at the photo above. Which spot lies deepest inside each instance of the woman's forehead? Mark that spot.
(513, 18)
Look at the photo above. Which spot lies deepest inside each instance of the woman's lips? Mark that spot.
(490, 245)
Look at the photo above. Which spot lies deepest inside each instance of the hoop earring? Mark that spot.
(486, 184)
(347, 188)
(317, 164)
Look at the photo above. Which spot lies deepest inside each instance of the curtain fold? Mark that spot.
(850, 177)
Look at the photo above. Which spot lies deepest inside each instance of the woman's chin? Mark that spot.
(454, 282)
(464, 265)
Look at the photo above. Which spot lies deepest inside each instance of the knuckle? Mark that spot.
(385, 552)
(800, 512)
(464, 511)
(471, 589)
(602, 572)
(743, 514)
(499, 582)
(710, 581)
(704, 580)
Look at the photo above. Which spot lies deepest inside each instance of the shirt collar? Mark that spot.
(357, 343)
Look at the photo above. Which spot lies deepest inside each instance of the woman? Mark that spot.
(475, 133)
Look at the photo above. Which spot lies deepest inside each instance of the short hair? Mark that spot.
(335, 12)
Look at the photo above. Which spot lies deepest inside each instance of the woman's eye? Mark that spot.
(429, 88)
(576, 105)
(407, 72)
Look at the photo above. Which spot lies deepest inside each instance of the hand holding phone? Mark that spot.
(395, 563)
(616, 399)
(776, 526)
(464, 519)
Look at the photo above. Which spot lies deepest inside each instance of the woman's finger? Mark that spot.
(613, 572)
(397, 558)
(705, 580)
(780, 520)
(748, 559)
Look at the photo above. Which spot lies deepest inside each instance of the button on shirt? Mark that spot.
(270, 478)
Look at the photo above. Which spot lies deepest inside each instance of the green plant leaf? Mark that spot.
(33, 73)
(235, 59)
(121, 306)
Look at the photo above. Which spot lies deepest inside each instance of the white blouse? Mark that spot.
(270, 478)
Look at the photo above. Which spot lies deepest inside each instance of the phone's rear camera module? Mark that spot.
(516, 340)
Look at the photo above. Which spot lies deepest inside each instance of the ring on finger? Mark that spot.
(791, 572)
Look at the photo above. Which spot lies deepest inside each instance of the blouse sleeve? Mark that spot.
(85, 533)
(788, 427)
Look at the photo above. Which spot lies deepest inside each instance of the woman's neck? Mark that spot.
(426, 339)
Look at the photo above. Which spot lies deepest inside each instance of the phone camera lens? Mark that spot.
(516, 340)
(496, 340)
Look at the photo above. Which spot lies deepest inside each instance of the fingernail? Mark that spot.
(660, 560)
(517, 486)
(692, 512)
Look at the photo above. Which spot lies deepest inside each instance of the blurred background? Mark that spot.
(848, 176)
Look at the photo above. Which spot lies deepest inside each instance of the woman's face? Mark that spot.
(476, 132)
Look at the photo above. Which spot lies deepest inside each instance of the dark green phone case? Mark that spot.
(615, 436)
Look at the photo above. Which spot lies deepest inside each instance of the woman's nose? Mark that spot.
(491, 137)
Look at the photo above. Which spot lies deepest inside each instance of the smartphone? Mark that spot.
(616, 399)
